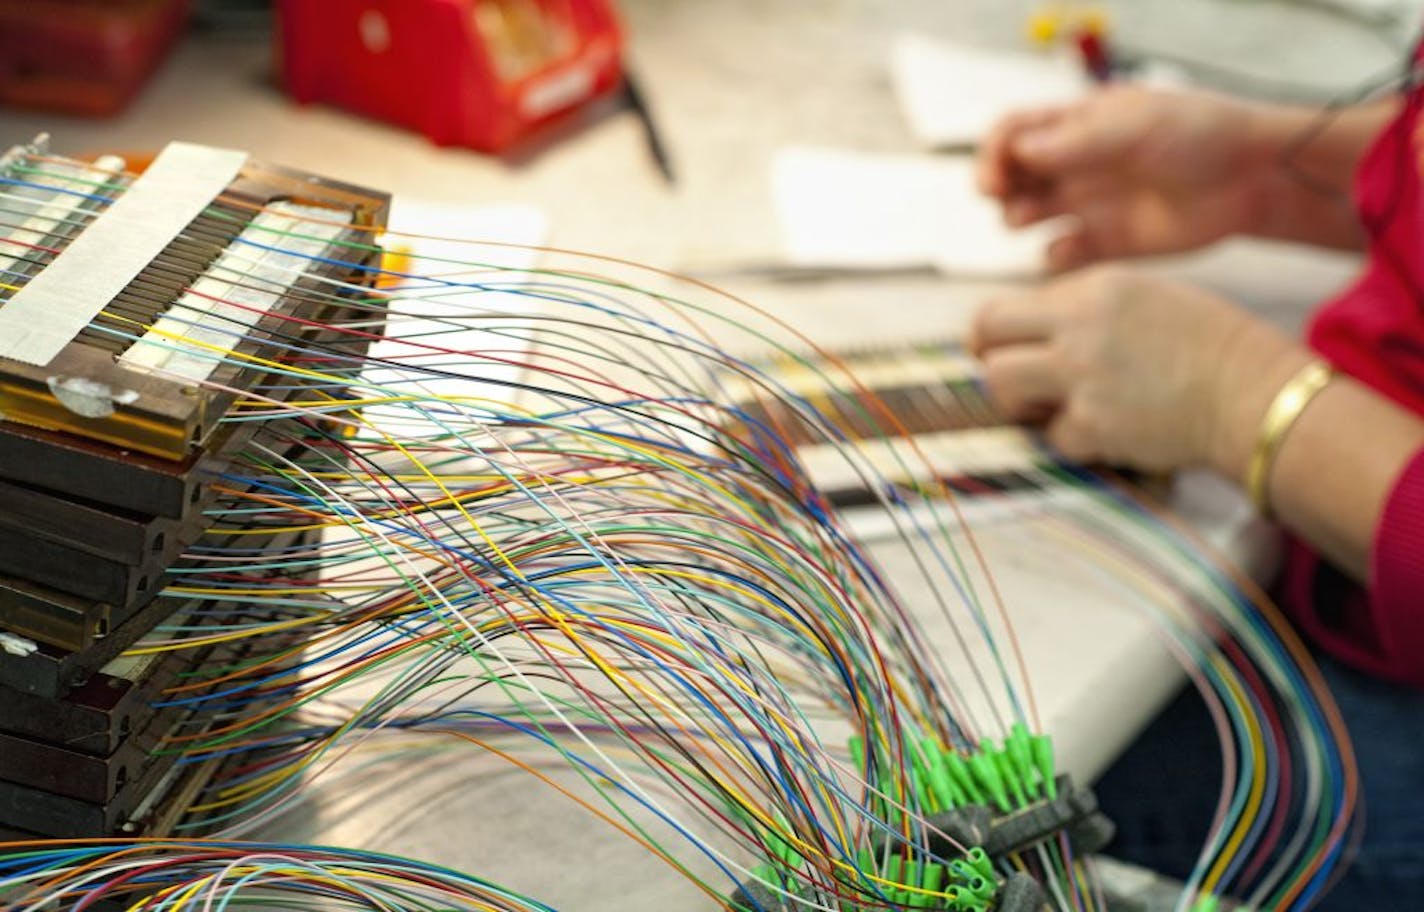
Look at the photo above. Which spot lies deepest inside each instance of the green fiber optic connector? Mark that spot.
(978, 859)
(780, 846)
(967, 902)
(895, 870)
(1019, 747)
(972, 881)
(959, 772)
(950, 793)
(1011, 777)
(865, 861)
(766, 873)
(857, 751)
(986, 773)
(920, 764)
(1043, 759)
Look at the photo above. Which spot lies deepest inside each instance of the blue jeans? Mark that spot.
(1163, 790)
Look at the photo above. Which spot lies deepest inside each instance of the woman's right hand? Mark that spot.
(1143, 171)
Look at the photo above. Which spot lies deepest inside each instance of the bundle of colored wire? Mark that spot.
(214, 875)
(562, 545)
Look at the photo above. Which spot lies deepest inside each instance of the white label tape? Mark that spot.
(52, 308)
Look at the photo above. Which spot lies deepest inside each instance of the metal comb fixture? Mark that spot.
(154, 365)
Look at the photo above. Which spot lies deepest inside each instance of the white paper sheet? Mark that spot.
(484, 298)
(952, 94)
(850, 210)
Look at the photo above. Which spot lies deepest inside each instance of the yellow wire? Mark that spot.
(1258, 779)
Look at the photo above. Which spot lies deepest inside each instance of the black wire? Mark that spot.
(1291, 151)
(1406, 80)
(1385, 28)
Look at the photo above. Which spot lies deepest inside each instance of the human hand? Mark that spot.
(1143, 171)
(1133, 370)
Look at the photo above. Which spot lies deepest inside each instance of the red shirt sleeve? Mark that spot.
(1397, 573)
(1374, 331)
(1379, 631)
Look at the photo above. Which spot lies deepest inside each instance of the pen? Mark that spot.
(656, 147)
(1091, 39)
(1088, 29)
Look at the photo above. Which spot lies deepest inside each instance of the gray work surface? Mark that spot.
(730, 81)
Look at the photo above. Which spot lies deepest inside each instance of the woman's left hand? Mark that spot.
(1133, 370)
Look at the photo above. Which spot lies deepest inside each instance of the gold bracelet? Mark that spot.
(1285, 409)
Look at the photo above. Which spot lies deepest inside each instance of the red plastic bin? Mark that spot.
(86, 57)
(451, 69)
